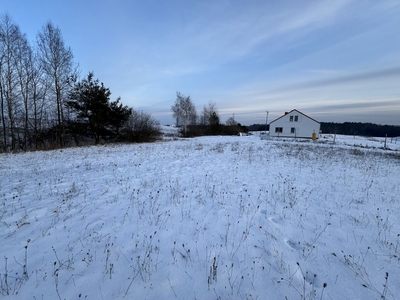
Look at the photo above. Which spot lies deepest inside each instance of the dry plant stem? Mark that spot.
(360, 272)
(142, 265)
(55, 274)
(6, 286)
(25, 268)
(170, 285)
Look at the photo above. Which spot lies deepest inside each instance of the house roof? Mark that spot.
(293, 111)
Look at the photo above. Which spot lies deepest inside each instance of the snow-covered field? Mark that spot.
(203, 218)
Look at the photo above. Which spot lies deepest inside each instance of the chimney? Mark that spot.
(286, 112)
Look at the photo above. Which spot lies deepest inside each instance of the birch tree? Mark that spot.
(10, 35)
(24, 69)
(57, 62)
(184, 111)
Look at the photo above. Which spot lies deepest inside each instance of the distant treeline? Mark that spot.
(349, 128)
(257, 127)
(364, 129)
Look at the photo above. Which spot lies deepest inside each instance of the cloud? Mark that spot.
(347, 78)
(212, 34)
(316, 15)
(359, 105)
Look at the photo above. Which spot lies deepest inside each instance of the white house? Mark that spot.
(294, 124)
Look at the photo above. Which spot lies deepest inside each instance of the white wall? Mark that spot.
(303, 127)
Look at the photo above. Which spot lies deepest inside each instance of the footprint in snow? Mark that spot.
(309, 277)
(276, 220)
(292, 244)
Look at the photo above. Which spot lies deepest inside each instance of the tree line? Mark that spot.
(363, 129)
(44, 104)
(207, 122)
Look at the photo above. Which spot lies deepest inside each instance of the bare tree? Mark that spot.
(38, 89)
(184, 111)
(2, 98)
(176, 110)
(25, 72)
(57, 62)
(231, 122)
(210, 115)
(10, 35)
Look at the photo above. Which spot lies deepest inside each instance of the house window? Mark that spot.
(292, 130)
(296, 118)
(278, 129)
(291, 118)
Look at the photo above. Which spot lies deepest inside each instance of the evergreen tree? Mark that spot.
(90, 100)
(118, 114)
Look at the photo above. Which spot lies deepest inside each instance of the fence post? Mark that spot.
(385, 141)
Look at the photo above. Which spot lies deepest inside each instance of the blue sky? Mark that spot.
(336, 60)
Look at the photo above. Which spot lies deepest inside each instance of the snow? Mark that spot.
(203, 218)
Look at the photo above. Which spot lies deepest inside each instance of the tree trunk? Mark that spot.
(3, 121)
(12, 124)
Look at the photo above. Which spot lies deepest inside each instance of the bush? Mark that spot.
(141, 127)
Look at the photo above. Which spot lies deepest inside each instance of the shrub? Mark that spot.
(141, 127)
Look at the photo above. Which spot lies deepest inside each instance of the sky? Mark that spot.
(336, 61)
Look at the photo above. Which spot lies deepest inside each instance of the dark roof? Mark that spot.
(293, 111)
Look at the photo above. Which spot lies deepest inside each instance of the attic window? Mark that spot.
(291, 118)
(278, 129)
(296, 118)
